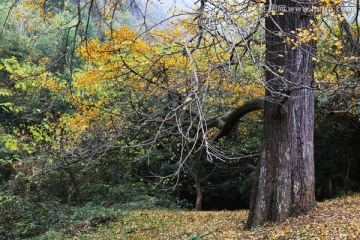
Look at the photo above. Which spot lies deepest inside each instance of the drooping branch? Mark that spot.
(230, 119)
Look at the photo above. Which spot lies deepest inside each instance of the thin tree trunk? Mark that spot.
(194, 171)
(199, 196)
(285, 179)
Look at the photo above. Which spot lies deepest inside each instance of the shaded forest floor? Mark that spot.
(333, 219)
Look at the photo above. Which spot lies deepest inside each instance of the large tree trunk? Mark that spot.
(285, 179)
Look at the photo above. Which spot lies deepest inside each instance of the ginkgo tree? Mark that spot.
(150, 73)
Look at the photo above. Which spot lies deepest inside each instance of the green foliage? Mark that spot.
(106, 194)
(197, 237)
(24, 217)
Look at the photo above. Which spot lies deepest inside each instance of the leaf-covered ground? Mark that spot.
(334, 219)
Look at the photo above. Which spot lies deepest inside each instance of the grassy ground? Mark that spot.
(334, 219)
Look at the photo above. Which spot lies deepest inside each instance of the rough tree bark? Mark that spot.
(285, 179)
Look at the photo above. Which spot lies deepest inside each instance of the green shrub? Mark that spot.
(24, 217)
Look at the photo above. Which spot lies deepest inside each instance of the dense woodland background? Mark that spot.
(98, 112)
